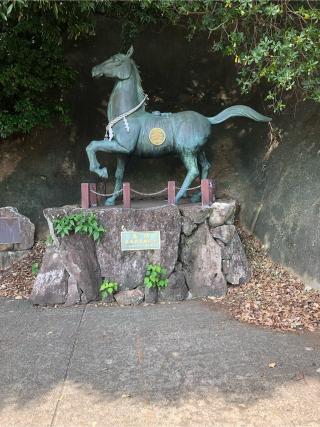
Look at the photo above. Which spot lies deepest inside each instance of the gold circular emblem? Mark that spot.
(157, 136)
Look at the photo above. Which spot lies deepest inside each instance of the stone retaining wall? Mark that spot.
(200, 249)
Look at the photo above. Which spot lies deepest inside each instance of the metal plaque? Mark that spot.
(9, 230)
(157, 136)
(140, 240)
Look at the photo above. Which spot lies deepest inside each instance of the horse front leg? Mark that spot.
(121, 164)
(106, 146)
(191, 164)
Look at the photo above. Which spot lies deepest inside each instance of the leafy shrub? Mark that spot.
(78, 223)
(108, 288)
(156, 276)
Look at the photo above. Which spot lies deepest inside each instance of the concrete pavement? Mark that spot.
(185, 364)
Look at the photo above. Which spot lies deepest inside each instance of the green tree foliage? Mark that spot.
(274, 43)
(33, 71)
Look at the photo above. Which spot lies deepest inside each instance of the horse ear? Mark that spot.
(130, 52)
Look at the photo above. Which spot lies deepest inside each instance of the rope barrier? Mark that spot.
(140, 193)
(149, 194)
(106, 195)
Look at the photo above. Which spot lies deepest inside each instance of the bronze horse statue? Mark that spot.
(134, 132)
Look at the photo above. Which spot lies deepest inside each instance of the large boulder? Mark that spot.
(11, 253)
(129, 297)
(235, 264)
(78, 254)
(26, 228)
(73, 296)
(51, 284)
(202, 263)
(223, 212)
(177, 289)
(196, 214)
(224, 233)
(127, 268)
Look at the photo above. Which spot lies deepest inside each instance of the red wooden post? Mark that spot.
(101, 188)
(205, 192)
(171, 192)
(212, 190)
(93, 196)
(126, 195)
(85, 199)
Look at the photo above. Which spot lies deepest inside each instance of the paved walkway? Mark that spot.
(184, 364)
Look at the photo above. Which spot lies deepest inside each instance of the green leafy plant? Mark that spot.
(35, 268)
(156, 276)
(78, 223)
(108, 288)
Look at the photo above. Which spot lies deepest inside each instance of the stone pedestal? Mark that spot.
(200, 250)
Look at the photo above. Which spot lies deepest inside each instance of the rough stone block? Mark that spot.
(196, 214)
(188, 226)
(73, 295)
(26, 228)
(224, 233)
(128, 268)
(51, 284)
(78, 255)
(177, 289)
(202, 263)
(129, 297)
(235, 264)
(222, 213)
(150, 295)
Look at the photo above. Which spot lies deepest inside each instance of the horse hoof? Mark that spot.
(110, 202)
(103, 173)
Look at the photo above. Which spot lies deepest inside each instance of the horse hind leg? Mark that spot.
(191, 164)
(205, 167)
(121, 164)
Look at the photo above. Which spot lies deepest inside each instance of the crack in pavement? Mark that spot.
(74, 344)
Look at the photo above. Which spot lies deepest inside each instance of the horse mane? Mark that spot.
(135, 71)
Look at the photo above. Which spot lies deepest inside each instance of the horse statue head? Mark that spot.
(119, 66)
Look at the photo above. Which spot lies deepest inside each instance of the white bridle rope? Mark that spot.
(109, 133)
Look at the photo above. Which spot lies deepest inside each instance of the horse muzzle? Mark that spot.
(96, 72)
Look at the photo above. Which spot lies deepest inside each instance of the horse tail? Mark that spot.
(238, 111)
